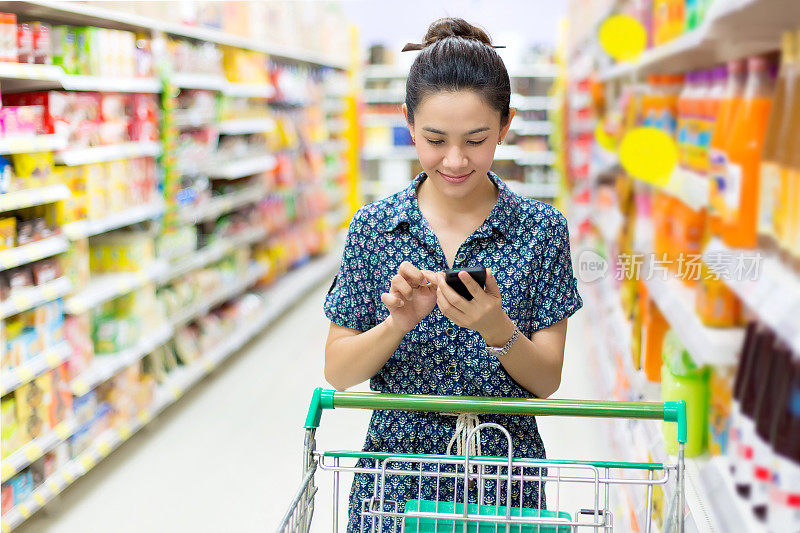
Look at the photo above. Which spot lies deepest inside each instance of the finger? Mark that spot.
(392, 301)
(472, 286)
(400, 285)
(455, 299)
(449, 310)
(430, 277)
(491, 284)
(412, 274)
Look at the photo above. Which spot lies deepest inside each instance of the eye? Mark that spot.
(476, 143)
(434, 142)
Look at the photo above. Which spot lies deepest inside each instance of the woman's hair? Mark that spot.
(458, 56)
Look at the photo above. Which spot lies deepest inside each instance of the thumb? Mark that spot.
(491, 284)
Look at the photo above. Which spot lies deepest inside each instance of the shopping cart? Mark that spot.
(462, 484)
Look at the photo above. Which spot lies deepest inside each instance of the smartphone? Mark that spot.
(477, 273)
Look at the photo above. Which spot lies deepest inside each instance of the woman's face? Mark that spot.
(456, 134)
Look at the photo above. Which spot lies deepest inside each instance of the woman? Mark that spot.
(395, 321)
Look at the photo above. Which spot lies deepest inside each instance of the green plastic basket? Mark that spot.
(431, 525)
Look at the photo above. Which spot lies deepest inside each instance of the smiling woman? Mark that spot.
(395, 320)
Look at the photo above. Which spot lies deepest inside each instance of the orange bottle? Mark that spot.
(772, 199)
(720, 139)
(740, 188)
(787, 208)
(654, 328)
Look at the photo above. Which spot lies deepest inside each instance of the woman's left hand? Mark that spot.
(484, 313)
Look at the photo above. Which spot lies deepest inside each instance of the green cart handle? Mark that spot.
(329, 399)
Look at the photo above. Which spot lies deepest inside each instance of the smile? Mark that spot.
(455, 179)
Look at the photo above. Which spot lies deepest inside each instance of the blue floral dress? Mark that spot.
(526, 244)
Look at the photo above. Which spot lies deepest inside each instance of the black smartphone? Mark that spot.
(477, 273)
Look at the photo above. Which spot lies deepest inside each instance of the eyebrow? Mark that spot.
(478, 130)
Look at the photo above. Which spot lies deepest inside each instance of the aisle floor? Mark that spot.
(227, 456)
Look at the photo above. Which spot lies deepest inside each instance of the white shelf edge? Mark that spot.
(114, 152)
(32, 197)
(49, 359)
(35, 296)
(87, 228)
(33, 450)
(112, 285)
(246, 126)
(38, 143)
(28, 253)
(221, 205)
(242, 168)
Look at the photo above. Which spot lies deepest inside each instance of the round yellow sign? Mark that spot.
(623, 37)
(649, 154)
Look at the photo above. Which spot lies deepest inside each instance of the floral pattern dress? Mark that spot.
(526, 244)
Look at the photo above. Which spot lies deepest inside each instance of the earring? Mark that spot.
(413, 140)
(500, 142)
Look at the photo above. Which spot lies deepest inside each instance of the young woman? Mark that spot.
(396, 322)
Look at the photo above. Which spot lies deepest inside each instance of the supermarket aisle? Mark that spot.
(229, 455)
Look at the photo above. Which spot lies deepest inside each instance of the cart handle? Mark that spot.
(329, 399)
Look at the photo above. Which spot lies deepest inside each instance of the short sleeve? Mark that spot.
(349, 301)
(556, 291)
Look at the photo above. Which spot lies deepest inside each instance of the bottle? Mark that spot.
(783, 513)
(700, 116)
(765, 409)
(720, 139)
(686, 108)
(654, 327)
(709, 112)
(753, 382)
(774, 156)
(740, 187)
(787, 211)
(742, 373)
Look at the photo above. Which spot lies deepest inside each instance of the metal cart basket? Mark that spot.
(480, 494)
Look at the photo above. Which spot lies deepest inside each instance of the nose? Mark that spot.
(454, 158)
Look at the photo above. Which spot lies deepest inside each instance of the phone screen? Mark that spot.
(477, 273)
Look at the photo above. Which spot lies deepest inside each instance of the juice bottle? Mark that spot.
(700, 116)
(754, 382)
(720, 139)
(787, 210)
(783, 512)
(672, 86)
(740, 188)
(710, 109)
(764, 412)
(771, 186)
(743, 369)
(677, 18)
(654, 327)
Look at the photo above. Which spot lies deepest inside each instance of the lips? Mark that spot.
(455, 179)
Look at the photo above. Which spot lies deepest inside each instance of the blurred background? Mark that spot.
(176, 179)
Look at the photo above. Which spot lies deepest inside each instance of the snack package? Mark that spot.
(64, 48)
(22, 484)
(33, 169)
(7, 498)
(85, 407)
(8, 233)
(9, 431)
(61, 404)
(33, 403)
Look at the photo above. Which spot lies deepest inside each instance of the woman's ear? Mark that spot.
(410, 127)
(504, 130)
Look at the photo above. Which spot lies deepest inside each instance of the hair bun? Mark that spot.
(454, 27)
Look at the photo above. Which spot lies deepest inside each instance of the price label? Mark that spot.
(25, 373)
(22, 301)
(6, 470)
(53, 359)
(87, 462)
(104, 448)
(41, 500)
(80, 388)
(176, 392)
(54, 487)
(124, 431)
(63, 430)
(33, 452)
(144, 417)
(69, 477)
(208, 365)
(24, 510)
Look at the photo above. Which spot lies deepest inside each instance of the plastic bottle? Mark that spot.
(772, 203)
(777, 362)
(787, 211)
(742, 374)
(754, 381)
(685, 109)
(783, 512)
(720, 140)
(654, 327)
(701, 123)
(740, 188)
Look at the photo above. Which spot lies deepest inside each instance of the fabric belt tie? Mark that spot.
(465, 423)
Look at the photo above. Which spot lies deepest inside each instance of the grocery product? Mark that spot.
(719, 416)
(654, 328)
(33, 404)
(9, 430)
(784, 495)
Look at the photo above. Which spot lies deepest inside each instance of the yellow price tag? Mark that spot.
(104, 448)
(649, 154)
(176, 392)
(33, 452)
(53, 360)
(80, 388)
(22, 301)
(54, 487)
(87, 462)
(125, 432)
(69, 477)
(24, 510)
(62, 430)
(49, 292)
(6, 471)
(208, 365)
(144, 417)
(25, 373)
(39, 498)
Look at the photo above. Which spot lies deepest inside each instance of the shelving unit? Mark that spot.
(29, 370)
(140, 213)
(34, 251)
(105, 287)
(30, 297)
(100, 154)
(33, 197)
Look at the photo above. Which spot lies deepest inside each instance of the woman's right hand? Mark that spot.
(411, 297)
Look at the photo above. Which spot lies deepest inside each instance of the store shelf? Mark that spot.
(29, 370)
(114, 152)
(248, 90)
(531, 127)
(105, 287)
(731, 30)
(246, 126)
(38, 143)
(292, 287)
(209, 82)
(140, 213)
(534, 158)
(384, 96)
(384, 72)
(772, 292)
(105, 366)
(30, 297)
(35, 449)
(388, 120)
(534, 190)
(241, 168)
(220, 205)
(532, 103)
(503, 153)
(33, 197)
(221, 296)
(194, 119)
(730, 512)
(28, 253)
(111, 84)
(708, 346)
(534, 71)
